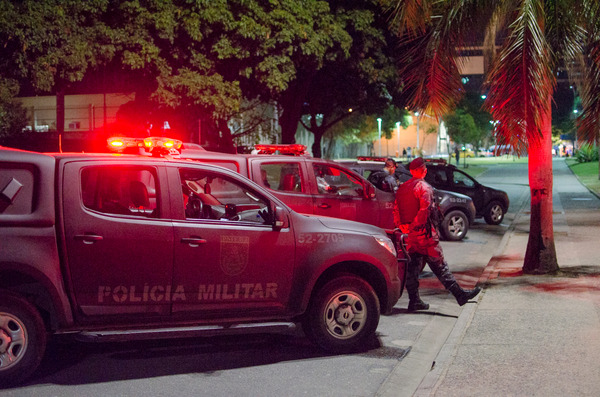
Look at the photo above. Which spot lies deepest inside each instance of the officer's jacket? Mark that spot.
(411, 211)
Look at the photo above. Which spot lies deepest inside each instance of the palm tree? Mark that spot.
(535, 38)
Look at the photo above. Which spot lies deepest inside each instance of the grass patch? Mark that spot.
(478, 165)
(587, 174)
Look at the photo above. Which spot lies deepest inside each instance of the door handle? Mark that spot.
(88, 238)
(193, 241)
(324, 206)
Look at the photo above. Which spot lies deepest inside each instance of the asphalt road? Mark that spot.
(284, 363)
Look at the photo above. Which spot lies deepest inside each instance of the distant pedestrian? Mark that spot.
(408, 153)
(457, 154)
(415, 213)
(404, 152)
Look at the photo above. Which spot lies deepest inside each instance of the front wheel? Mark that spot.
(494, 213)
(454, 226)
(342, 315)
(22, 339)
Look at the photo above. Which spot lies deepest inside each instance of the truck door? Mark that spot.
(119, 248)
(340, 194)
(287, 180)
(228, 259)
(464, 184)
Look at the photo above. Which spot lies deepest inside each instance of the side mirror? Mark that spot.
(369, 190)
(279, 218)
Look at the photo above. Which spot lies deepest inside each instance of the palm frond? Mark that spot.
(588, 124)
(411, 16)
(521, 81)
(430, 67)
(565, 28)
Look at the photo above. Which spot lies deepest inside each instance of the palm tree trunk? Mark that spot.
(540, 257)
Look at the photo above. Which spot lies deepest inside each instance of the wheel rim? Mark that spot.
(496, 213)
(13, 340)
(345, 315)
(456, 226)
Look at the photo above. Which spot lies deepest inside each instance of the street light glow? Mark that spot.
(379, 129)
(398, 127)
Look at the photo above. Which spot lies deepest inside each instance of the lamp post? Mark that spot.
(398, 128)
(379, 129)
(417, 114)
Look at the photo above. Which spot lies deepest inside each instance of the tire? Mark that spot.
(454, 226)
(342, 315)
(22, 339)
(494, 213)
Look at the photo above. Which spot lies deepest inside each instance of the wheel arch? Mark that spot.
(363, 270)
(35, 288)
(470, 216)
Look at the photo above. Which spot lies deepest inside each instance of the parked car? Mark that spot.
(490, 203)
(458, 209)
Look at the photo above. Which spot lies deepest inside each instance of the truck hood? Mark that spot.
(346, 225)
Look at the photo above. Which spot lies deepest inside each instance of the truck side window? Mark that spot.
(120, 190)
(436, 176)
(208, 195)
(461, 179)
(284, 177)
(332, 180)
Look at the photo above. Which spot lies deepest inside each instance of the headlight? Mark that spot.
(387, 244)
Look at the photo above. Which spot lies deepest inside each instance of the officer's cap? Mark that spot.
(417, 163)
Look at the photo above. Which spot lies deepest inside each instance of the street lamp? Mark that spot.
(398, 128)
(379, 129)
(417, 114)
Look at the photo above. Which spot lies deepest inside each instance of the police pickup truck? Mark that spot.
(125, 247)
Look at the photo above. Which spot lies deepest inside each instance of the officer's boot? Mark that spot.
(415, 303)
(463, 296)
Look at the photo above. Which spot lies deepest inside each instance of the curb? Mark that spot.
(448, 352)
(436, 365)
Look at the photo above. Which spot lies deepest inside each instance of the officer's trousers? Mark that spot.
(434, 257)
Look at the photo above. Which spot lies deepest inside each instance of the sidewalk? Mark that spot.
(532, 335)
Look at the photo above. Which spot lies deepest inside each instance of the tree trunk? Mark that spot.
(318, 133)
(540, 256)
(292, 103)
(60, 115)
(226, 143)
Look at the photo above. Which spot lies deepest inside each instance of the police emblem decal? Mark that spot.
(234, 254)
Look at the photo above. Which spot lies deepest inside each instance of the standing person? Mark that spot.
(457, 154)
(414, 213)
(408, 153)
(390, 179)
(404, 152)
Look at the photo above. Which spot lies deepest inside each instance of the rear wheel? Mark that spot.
(494, 213)
(455, 226)
(342, 315)
(22, 338)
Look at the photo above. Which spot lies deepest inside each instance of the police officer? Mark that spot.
(414, 214)
(390, 175)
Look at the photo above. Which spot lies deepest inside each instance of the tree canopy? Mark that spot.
(202, 59)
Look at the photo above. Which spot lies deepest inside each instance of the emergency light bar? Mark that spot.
(371, 158)
(119, 143)
(292, 149)
(436, 161)
(158, 146)
(153, 142)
